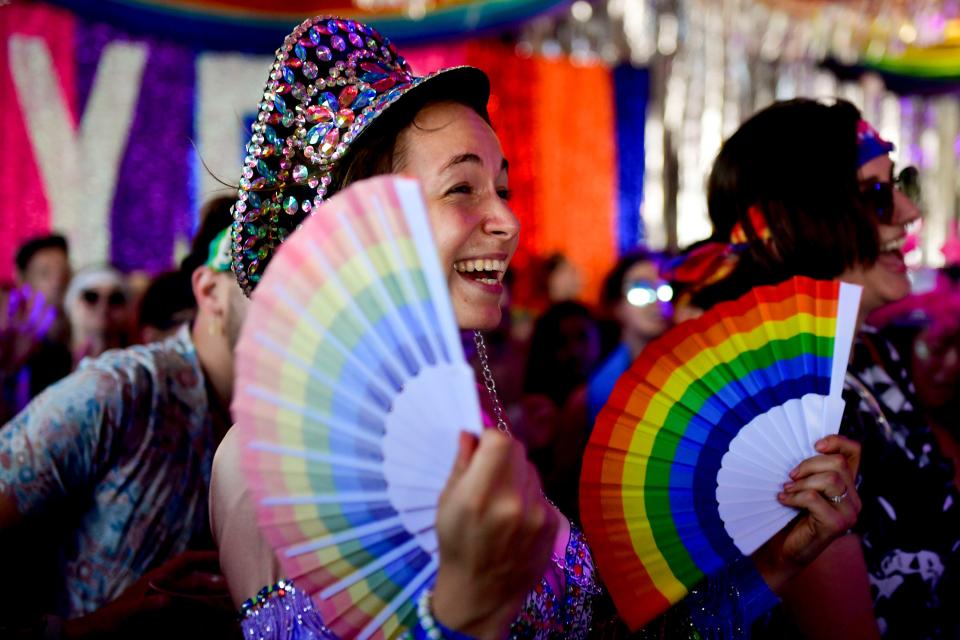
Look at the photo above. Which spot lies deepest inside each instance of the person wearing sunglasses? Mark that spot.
(96, 306)
(640, 302)
(896, 575)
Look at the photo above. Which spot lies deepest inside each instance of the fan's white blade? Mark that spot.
(412, 200)
(794, 430)
(402, 432)
(370, 569)
(357, 317)
(355, 533)
(397, 326)
(848, 307)
(832, 415)
(407, 594)
(748, 541)
(768, 434)
(758, 450)
(734, 512)
(283, 294)
(324, 420)
(750, 464)
(758, 493)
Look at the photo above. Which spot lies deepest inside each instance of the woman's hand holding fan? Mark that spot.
(686, 463)
(496, 534)
(831, 473)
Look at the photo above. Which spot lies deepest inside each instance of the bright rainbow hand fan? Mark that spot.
(684, 464)
(351, 389)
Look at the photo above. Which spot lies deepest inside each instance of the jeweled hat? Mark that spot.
(332, 82)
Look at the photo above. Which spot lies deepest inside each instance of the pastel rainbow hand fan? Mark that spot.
(684, 464)
(351, 389)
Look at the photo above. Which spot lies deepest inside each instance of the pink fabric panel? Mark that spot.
(425, 60)
(24, 212)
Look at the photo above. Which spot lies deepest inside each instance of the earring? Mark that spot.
(215, 328)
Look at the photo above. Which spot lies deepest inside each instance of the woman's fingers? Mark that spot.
(833, 463)
(849, 449)
(825, 518)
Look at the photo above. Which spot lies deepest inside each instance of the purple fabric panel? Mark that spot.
(152, 207)
(152, 204)
(90, 38)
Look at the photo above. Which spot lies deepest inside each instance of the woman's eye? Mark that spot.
(505, 194)
(461, 188)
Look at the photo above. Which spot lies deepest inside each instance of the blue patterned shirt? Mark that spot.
(125, 444)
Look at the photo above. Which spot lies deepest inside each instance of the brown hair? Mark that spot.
(797, 162)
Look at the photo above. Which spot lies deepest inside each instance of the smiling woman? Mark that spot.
(811, 208)
(459, 163)
(343, 107)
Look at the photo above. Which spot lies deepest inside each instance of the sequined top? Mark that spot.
(282, 612)
(128, 437)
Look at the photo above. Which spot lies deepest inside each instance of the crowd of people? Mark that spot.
(123, 510)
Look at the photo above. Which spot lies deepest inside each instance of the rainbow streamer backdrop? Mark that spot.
(137, 205)
(260, 25)
(649, 480)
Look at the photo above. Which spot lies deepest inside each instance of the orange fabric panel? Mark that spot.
(556, 123)
(576, 166)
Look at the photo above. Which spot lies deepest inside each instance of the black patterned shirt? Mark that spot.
(910, 522)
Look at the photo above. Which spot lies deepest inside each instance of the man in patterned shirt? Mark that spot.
(118, 455)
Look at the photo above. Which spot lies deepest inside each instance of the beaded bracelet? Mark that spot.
(427, 626)
(278, 590)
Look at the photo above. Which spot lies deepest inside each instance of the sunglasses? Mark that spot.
(114, 298)
(878, 196)
(642, 293)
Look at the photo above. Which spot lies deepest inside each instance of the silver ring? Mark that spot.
(837, 499)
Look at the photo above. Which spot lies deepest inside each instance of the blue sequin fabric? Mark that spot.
(547, 615)
(282, 611)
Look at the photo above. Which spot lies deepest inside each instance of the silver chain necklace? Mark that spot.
(587, 581)
(489, 383)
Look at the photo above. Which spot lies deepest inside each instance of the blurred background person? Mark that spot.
(639, 302)
(564, 350)
(34, 333)
(925, 329)
(97, 306)
(563, 278)
(43, 264)
(168, 302)
(165, 306)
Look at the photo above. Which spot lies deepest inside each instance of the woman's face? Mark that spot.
(457, 158)
(643, 322)
(886, 280)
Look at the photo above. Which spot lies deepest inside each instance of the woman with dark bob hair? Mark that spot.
(341, 105)
(807, 188)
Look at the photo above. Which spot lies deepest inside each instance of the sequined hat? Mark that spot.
(332, 82)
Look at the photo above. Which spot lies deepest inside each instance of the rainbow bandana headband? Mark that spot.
(713, 261)
(331, 80)
(219, 258)
(870, 144)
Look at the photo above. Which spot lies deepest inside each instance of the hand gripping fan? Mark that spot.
(684, 464)
(351, 389)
